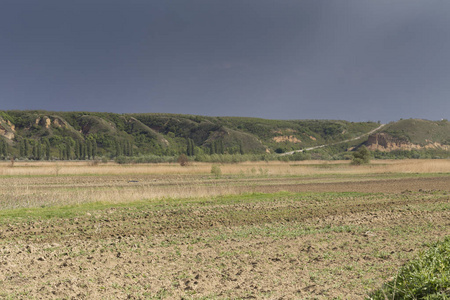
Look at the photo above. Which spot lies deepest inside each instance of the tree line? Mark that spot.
(63, 149)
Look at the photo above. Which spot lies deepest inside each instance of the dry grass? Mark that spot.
(35, 184)
(247, 168)
(32, 196)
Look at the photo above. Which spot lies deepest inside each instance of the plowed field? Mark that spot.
(237, 237)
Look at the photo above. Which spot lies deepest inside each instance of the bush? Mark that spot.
(122, 160)
(183, 160)
(300, 156)
(94, 162)
(280, 150)
(216, 171)
(362, 156)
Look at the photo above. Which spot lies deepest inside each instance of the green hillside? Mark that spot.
(91, 135)
(420, 132)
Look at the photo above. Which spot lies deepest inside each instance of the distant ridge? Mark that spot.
(110, 134)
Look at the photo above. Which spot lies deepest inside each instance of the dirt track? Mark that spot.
(345, 141)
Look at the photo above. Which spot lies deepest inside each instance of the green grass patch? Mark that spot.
(54, 211)
(277, 231)
(71, 211)
(427, 277)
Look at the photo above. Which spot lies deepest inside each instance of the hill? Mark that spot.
(83, 135)
(411, 134)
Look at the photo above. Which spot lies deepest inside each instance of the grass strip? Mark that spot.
(71, 211)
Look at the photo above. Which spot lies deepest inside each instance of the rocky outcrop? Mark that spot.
(45, 122)
(286, 138)
(58, 122)
(7, 134)
(387, 143)
(13, 128)
(7, 129)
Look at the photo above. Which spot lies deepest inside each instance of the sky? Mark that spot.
(355, 60)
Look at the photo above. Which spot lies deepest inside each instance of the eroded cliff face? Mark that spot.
(44, 122)
(387, 143)
(286, 138)
(58, 122)
(7, 129)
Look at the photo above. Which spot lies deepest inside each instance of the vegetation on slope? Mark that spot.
(420, 132)
(89, 135)
(162, 134)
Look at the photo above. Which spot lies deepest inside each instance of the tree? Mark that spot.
(39, 151)
(25, 147)
(77, 150)
(190, 149)
(131, 148)
(82, 151)
(68, 151)
(128, 148)
(362, 156)
(35, 151)
(220, 148)
(213, 147)
(94, 148)
(125, 148)
(21, 149)
(118, 149)
(3, 149)
(89, 149)
(47, 149)
(241, 147)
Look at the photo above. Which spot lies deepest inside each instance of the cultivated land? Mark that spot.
(303, 230)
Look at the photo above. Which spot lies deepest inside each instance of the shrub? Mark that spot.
(280, 150)
(94, 162)
(216, 171)
(183, 160)
(427, 277)
(362, 156)
(122, 160)
(300, 156)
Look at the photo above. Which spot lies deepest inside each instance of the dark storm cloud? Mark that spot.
(354, 60)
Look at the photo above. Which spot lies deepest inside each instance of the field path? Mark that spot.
(337, 143)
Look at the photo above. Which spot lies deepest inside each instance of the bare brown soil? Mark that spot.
(293, 245)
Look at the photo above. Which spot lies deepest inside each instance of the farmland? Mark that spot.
(291, 230)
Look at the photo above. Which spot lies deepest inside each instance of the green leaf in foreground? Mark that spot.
(427, 277)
